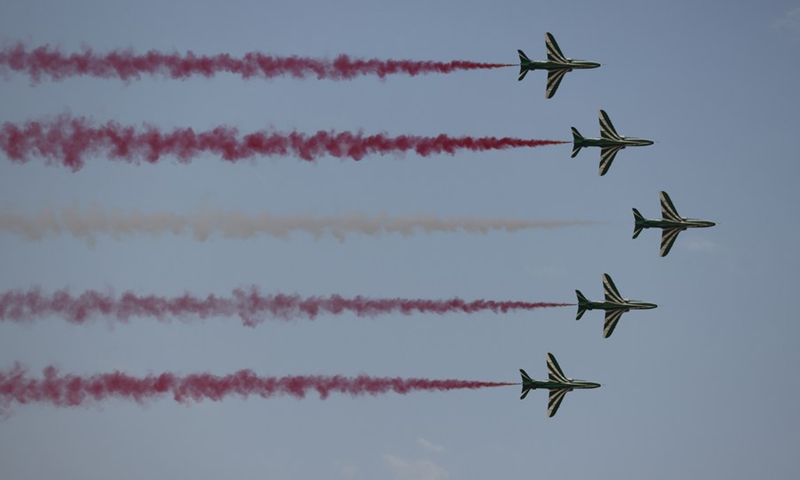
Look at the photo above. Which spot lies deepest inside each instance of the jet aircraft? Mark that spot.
(557, 65)
(614, 305)
(610, 142)
(671, 223)
(558, 384)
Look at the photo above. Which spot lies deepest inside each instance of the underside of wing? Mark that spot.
(607, 129)
(668, 210)
(553, 51)
(554, 370)
(668, 237)
(554, 78)
(556, 397)
(607, 155)
(610, 290)
(612, 317)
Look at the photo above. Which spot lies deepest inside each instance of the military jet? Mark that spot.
(557, 383)
(557, 65)
(610, 142)
(671, 223)
(614, 305)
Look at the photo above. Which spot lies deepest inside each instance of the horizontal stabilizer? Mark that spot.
(582, 301)
(577, 138)
(638, 220)
(526, 384)
(523, 65)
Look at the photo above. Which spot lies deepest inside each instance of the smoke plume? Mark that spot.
(68, 141)
(68, 390)
(126, 65)
(97, 220)
(249, 305)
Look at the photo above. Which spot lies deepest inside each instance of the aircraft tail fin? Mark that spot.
(577, 140)
(527, 384)
(582, 302)
(524, 61)
(638, 221)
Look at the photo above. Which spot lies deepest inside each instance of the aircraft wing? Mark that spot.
(612, 294)
(607, 129)
(612, 317)
(554, 370)
(553, 52)
(607, 155)
(668, 210)
(668, 237)
(554, 78)
(556, 397)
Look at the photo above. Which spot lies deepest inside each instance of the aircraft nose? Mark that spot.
(650, 306)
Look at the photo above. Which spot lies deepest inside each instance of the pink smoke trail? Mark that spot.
(49, 62)
(68, 390)
(66, 141)
(251, 306)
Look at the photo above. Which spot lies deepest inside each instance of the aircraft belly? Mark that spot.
(613, 306)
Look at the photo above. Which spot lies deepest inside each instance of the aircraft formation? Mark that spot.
(671, 223)
(557, 65)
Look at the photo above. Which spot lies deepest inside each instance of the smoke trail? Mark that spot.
(68, 140)
(49, 62)
(250, 305)
(234, 224)
(74, 390)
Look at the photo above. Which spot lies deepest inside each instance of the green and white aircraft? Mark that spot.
(610, 142)
(614, 305)
(558, 384)
(671, 223)
(557, 65)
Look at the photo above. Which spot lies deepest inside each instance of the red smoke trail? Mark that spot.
(250, 305)
(74, 390)
(126, 65)
(67, 141)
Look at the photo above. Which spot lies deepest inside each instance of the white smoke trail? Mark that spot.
(97, 220)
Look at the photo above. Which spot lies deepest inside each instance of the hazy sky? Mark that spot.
(704, 386)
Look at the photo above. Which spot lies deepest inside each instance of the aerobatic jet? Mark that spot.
(671, 223)
(558, 384)
(557, 65)
(610, 142)
(614, 305)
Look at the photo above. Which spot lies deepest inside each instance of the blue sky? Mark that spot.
(703, 386)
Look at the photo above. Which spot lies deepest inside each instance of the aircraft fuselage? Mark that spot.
(551, 65)
(629, 305)
(610, 142)
(685, 223)
(549, 384)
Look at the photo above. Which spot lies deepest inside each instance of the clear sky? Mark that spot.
(705, 386)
